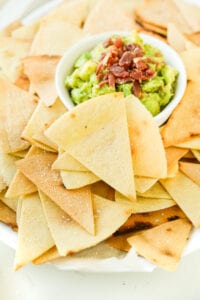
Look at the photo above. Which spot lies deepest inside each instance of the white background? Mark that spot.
(47, 283)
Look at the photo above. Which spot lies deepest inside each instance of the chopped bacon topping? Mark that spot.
(123, 63)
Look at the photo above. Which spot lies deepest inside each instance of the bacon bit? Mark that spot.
(136, 88)
(111, 79)
(105, 81)
(108, 43)
(118, 43)
(126, 59)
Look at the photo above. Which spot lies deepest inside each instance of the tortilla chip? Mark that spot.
(103, 190)
(41, 141)
(194, 38)
(77, 203)
(55, 37)
(22, 82)
(20, 154)
(70, 237)
(14, 101)
(40, 120)
(96, 134)
(11, 203)
(156, 191)
(173, 155)
(172, 172)
(3, 184)
(196, 154)
(48, 256)
(190, 13)
(163, 245)
(120, 242)
(141, 221)
(151, 27)
(34, 237)
(77, 179)
(191, 170)
(142, 184)
(7, 167)
(192, 69)
(177, 40)
(66, 162)
(177, 131)
(26, 32)
(11, 52)
(192, 143)
(161, 13)
(186, 194)
(8, 30)
(41, 72)
(7, 216)
(143, 205)
(148, 154)
(121, 19)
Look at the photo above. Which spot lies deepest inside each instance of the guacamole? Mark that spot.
(123, 64)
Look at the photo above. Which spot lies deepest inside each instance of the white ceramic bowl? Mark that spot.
(66, 64)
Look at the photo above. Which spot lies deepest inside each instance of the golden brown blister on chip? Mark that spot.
(164, 244)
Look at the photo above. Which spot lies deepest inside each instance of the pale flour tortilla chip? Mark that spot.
(156, 191)
(106, 153)
(103, 190)
(11, 52)
(41, 73)
(120, 242)
(66, 162)
(11, 203)
(173, 155)
(150, 27)
(191, 143)
(196, 153)
(8, 30)
(7, 167)
(143, 184)
(77, 203)
(161, 13)
(70, 237)
(77, 179)
(7, 216)
(40, 120)
(55, 37)
(14, 101)
(194, 38)
(143, 205)
(85, 119)
(49, 255)
(142, 221)
(34, 237)
(26, 32)
(103, 10)
(163, 245)
(186, 194)
(192, 69)
(147, 149)
(172, 172)
(191, 170)
(41, 141)
(177, 131)
(190, 13)
(177, 40)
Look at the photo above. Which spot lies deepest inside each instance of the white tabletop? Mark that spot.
(47, 283)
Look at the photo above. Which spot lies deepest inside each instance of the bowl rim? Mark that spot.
(89, 42)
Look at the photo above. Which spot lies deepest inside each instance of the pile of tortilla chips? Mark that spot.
(104, 171)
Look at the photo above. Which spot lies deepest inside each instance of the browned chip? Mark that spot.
(173, 154)
(7, 215)
(77, 203)
(22, 82)
(120, 242)
(177, 131)
(191, 170)
(164, 244)
(148, 220)
(41, 72)
(194, 37)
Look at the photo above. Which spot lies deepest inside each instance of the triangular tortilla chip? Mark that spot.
(70, 237)
(143, 184)
(121, 19)
(192, 143)
(142, 221)
(106, 153)
(194, 38)
(3, 184)
(66, 162)
(22, 82)
(103, 190)
(11, 203)
(77, 203)
(7, 167)
(34, 237)
(163, 245)
(146, 144)
(41, 141)
(50, 255)
(55, 37)
(143, 205)
(7, 216)
(40, 120)
(156, 191)
(186, 194)
(173, 155)
(172, 172)
(177, 131)
(191, 170)
(196, 153)
(77, 179)
(120, 242)
(41, 72)
(192, 70)
(14, 101)
(26, 32)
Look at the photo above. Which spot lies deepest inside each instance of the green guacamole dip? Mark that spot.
(123, 64)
